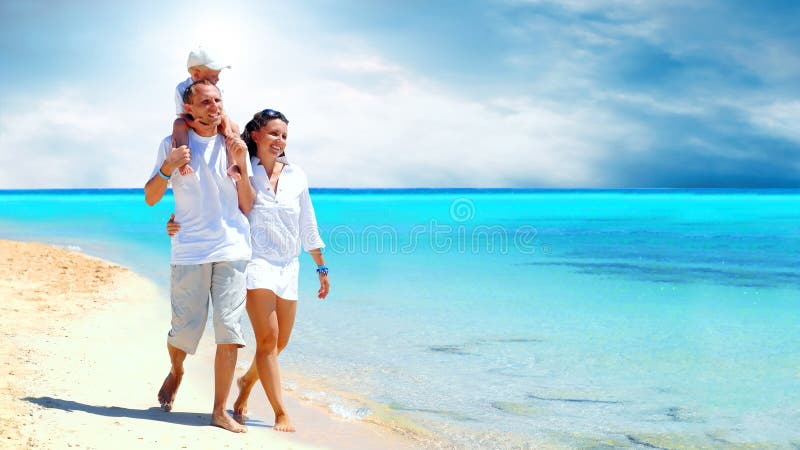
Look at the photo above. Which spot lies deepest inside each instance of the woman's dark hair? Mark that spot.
(256, 123)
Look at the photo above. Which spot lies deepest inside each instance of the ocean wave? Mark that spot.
(337, 406)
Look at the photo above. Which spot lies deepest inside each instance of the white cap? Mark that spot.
(202, 56)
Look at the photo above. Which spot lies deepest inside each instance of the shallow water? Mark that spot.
(574, 318)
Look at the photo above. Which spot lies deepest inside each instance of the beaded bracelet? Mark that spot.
(322, 270)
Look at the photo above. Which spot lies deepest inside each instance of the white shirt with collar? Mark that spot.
(282, 222)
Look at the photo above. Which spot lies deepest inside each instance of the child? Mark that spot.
(201, 65)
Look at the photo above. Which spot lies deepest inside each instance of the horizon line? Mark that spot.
(425, 189)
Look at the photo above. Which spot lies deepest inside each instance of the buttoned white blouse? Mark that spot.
(280, 223)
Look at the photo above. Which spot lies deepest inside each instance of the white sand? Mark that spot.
(84, 356)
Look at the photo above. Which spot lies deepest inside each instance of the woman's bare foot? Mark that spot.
(240, 405)
(166, 395)
(223, 420)
(282, 423)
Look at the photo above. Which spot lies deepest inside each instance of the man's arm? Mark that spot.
(154, 190)
(157, 185)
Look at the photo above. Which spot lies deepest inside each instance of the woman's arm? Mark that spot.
(244, 190)
(324, 283)
(309, 233)
(312, 242)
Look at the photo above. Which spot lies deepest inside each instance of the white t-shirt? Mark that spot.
(281, 222)
(179, 109)
(213, 228)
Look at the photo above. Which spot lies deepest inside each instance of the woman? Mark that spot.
(281, 221)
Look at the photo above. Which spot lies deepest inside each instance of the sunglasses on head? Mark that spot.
(272, 114)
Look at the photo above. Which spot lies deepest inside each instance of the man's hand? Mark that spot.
(179, 157)
(172, 226)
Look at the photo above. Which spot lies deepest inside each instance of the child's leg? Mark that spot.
(180, 136)
(228, 128)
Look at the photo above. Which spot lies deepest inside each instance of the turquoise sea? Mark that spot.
(514, 318)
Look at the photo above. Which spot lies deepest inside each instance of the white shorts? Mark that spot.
(278, 278)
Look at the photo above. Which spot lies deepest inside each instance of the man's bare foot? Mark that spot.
(282, 423)
(166, 395)
(225, 421)
(240, 405)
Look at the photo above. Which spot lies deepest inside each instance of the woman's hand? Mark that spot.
(172, 226)
(237, 148)
(324, 286)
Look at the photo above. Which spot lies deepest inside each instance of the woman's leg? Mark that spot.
(245, 384)
(272, 319)
(286, 311)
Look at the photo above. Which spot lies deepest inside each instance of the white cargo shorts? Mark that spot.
(192, 287)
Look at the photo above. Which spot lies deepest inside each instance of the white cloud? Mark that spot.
(780, 118)
(358, 119)
(364, 64)
(66, 140)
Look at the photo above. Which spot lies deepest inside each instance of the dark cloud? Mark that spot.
(721, 149)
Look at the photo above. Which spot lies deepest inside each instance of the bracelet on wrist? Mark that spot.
(322, 270)
(163, 175)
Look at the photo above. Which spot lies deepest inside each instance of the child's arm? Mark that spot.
(227, 127)
(231, 132)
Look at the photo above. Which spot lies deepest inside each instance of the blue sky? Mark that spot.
(494, 93)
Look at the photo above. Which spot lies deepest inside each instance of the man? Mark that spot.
(210, 253)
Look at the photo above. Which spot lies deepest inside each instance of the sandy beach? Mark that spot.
(84, 355)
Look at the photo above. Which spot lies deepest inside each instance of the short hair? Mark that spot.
(188, 93)
(198, 67)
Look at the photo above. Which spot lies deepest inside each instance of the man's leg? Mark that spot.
(228, 298)
(189, 289)
(224, 367)
(166, 396)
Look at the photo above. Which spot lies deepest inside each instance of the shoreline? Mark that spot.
(89, 356)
